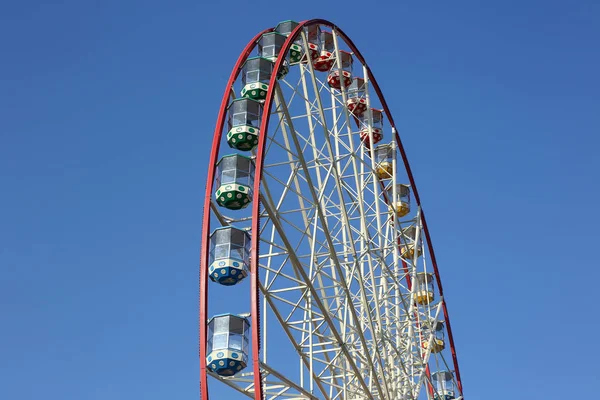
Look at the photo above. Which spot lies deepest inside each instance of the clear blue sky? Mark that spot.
(106, 116)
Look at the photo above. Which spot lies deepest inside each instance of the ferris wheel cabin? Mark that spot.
(333, 79)
(229, 255)
(400, 204)
(445, 388)
(327, 59)
(243, 120)
(376, 126)
(313, 37)
(285, 28)
(438, 341)
(256, 75)
(356, 102)
(269, 47)
(425, 294)
(296, 53)
(227, 344)
(384, 157)
(235, 178)
(409, 244)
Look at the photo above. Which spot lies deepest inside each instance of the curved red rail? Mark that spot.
(254, 292)
(210, 178)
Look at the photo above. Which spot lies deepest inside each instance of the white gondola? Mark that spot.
(376, 126)
(235, 179)
(408, 243)
(256, 74)
(228, 343)
(344, 74)
(357, 102)
(425, 293)
(435, 328)
(444, 383)
(269, 47)
(229, 255)
(244, 123)
(384, 157)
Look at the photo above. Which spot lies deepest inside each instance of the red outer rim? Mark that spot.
(204, 249)
(255, 305)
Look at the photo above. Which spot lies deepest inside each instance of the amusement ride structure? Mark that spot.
(318, 278)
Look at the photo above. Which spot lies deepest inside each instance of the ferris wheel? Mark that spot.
(318, 279)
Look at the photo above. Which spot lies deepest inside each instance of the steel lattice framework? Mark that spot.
(334, 307)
